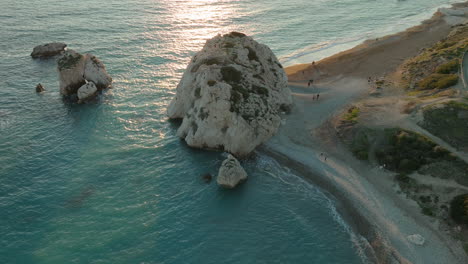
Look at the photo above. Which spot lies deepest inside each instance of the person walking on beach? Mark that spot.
(318, 96)
(308, 84)
(313, 97)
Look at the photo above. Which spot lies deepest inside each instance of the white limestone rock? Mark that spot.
(416, 239)
(231, 173)
(231, 95)
(95, 71)
(86, 92)
(48, 50)
(75, 69)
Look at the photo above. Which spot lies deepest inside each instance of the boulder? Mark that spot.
(416, 239)
(48, 50)
(231, 173)
(39, 88)
(76, 69)
(231, 95)
(86, 92)
(95, 71)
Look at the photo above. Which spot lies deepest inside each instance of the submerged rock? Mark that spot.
(207, 177)
(48, 50)
(86, 92)
(416, 239)
(231, 173)
(39, 88)
(76, 70)
(231, 95)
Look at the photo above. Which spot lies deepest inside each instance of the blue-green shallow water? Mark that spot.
(110, 182)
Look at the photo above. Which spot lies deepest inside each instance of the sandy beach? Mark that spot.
(365, 195)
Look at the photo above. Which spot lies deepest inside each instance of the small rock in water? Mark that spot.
(207, 177)
(75, 70)
(416, 239)
(231, 173)
(86, 92)
(48, 50)
(39, 88)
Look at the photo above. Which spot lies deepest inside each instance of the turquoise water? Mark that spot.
(111, 183)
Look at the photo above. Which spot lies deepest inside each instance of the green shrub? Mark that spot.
(427, 211)
(438, 81)
(352, 114)
(362, 155)
(459, 209)
(402, 177)
(449, 67)
(406, 151)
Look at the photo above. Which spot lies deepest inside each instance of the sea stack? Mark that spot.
(81, 72)
(231, 173)
(231, 95)
(48, 50)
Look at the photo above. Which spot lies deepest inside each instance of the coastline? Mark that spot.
(364, 195)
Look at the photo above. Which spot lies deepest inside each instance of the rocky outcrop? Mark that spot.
(39, 88)
(231, 95)
(76, 70)
(48, 50)
(86, 92)
(231, 173)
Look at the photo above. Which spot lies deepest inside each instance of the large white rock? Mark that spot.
(95, 71)
(48, 50)
(75, 69)
(231, 95)
(416, 239)
(86, 91)
(231, 173)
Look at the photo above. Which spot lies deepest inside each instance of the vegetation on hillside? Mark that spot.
(449, 122)
(443, 58)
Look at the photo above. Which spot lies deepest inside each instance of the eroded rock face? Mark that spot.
(86, 92)
(231, 173)
(231, 95)
(48, 50)
(75, 69)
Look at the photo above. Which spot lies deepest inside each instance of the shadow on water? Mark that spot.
(78, 200)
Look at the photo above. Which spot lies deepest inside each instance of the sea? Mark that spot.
(110, 182)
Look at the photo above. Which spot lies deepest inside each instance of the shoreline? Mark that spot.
(300, 57)
(366, 202)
